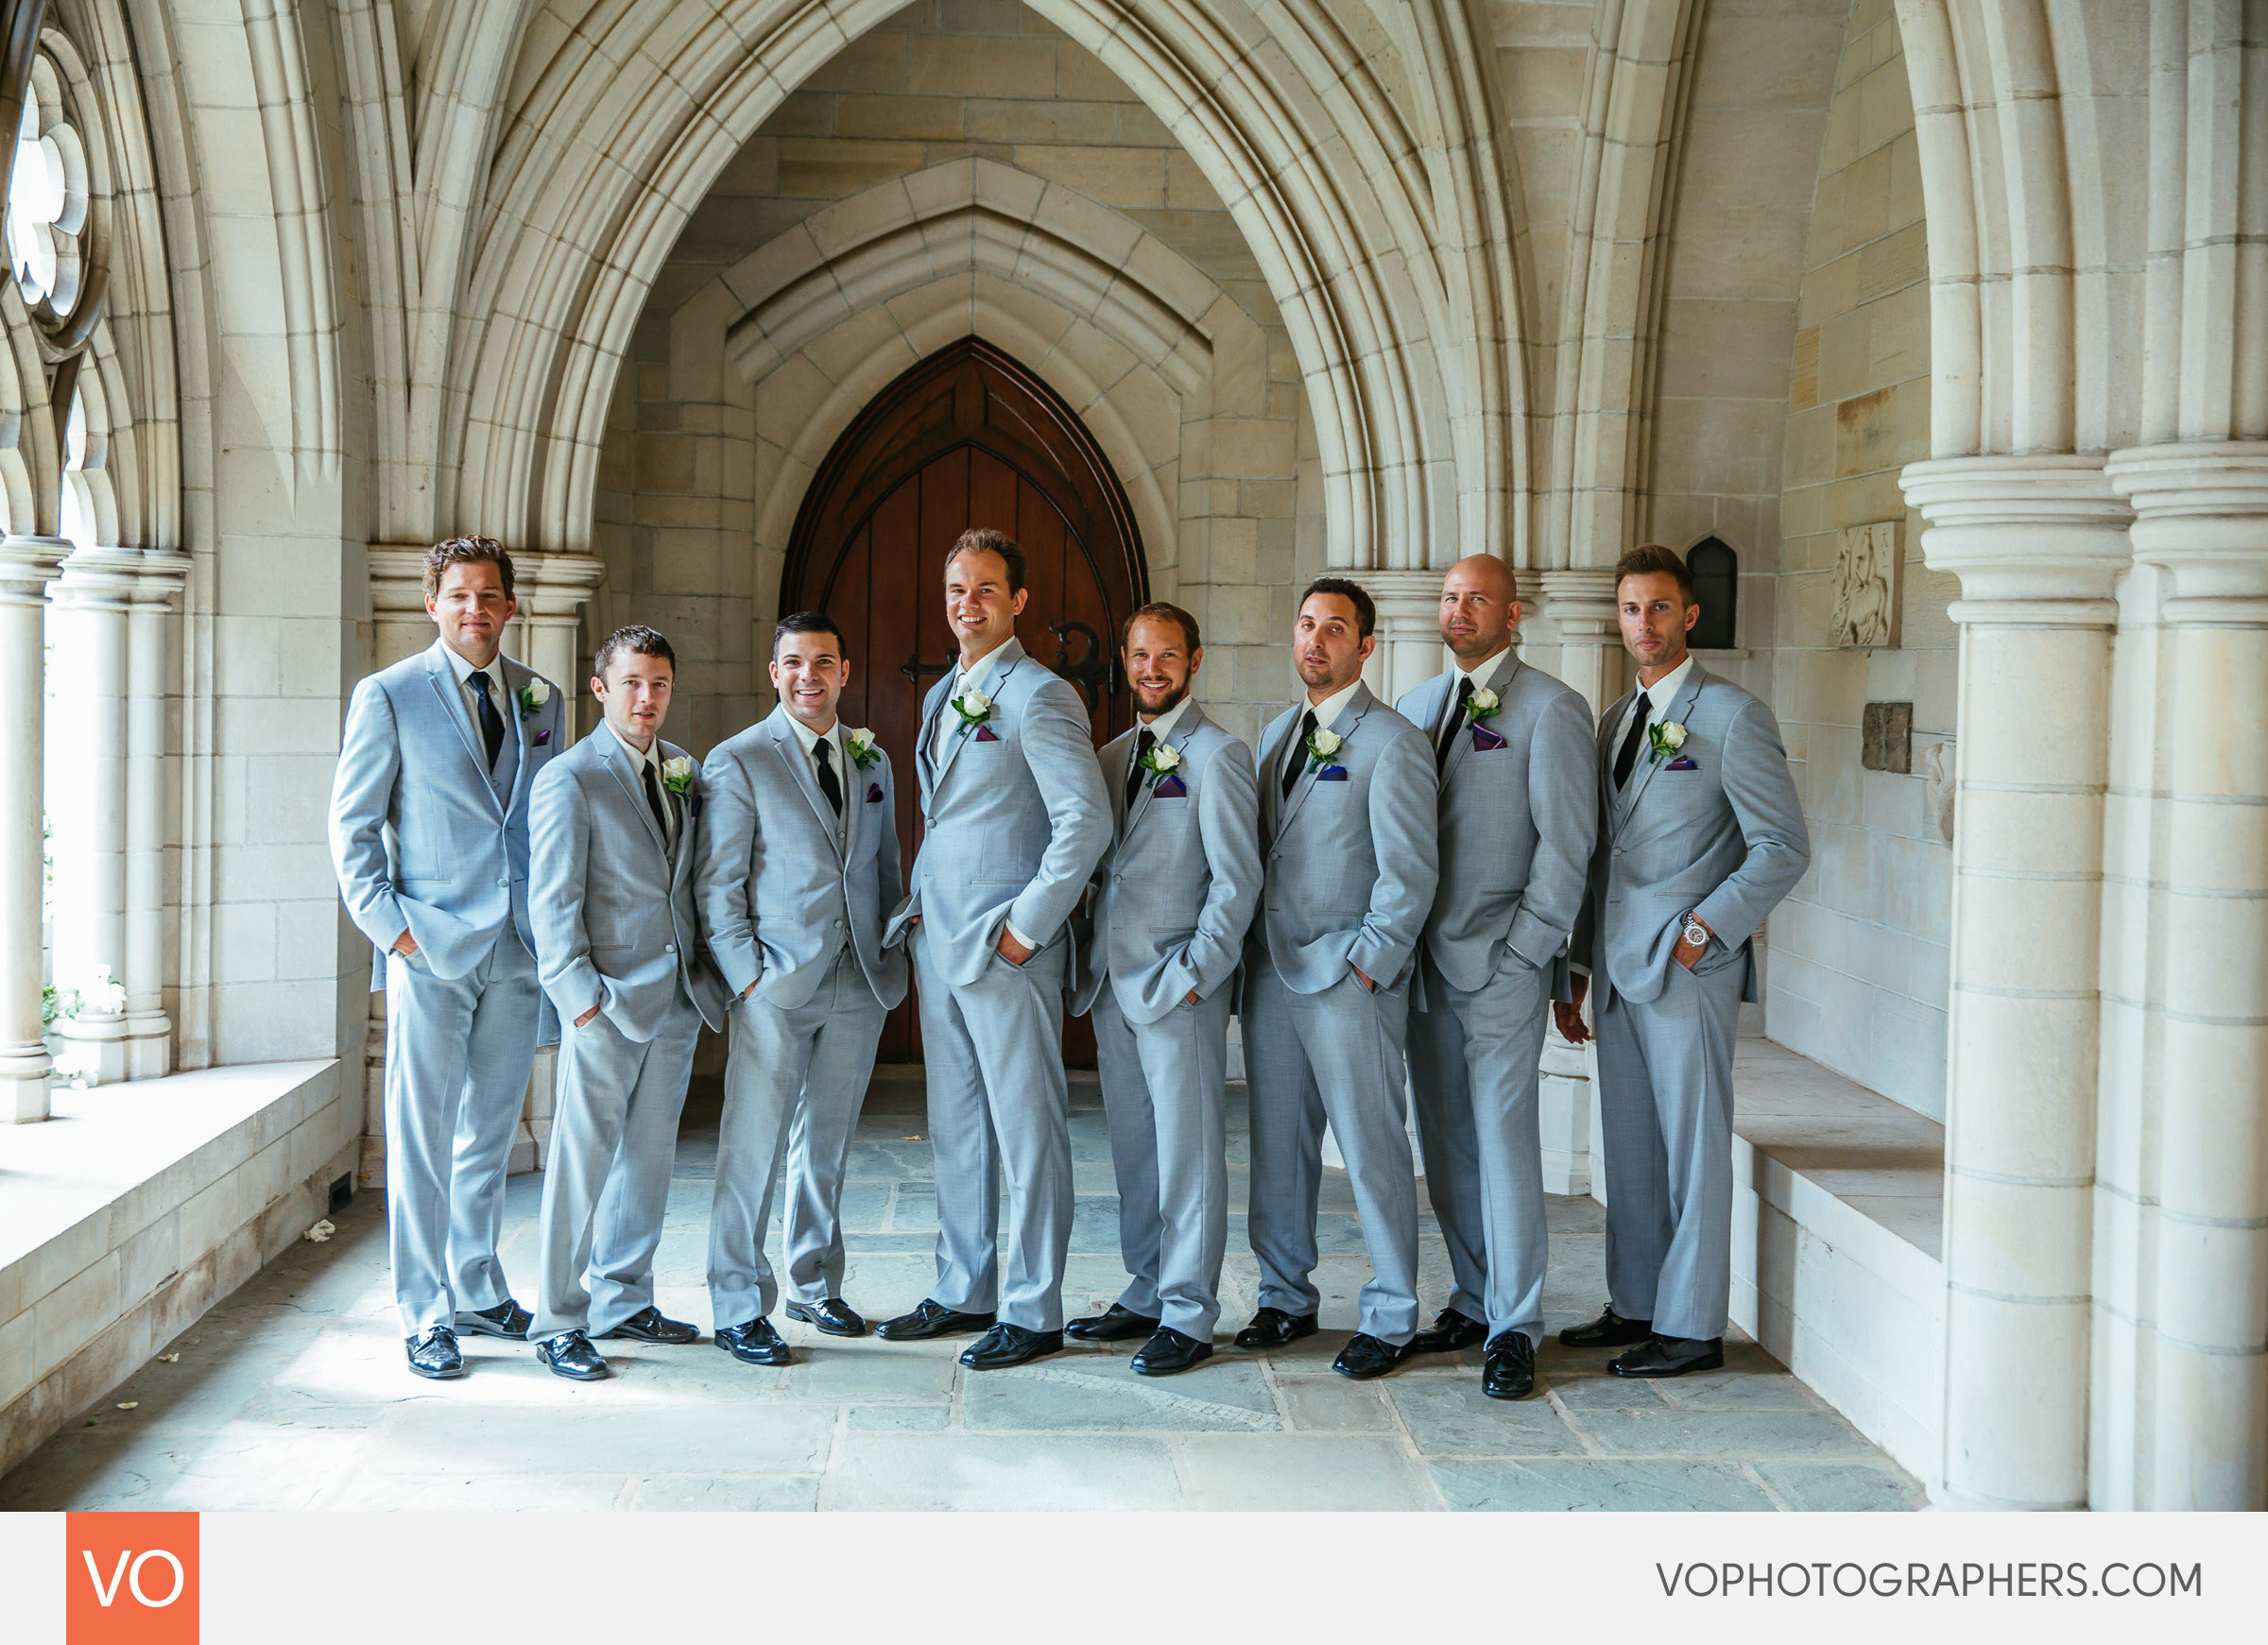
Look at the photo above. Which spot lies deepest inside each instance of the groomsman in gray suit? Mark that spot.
(1167, 920)
(798, 868)
(1015, 818)
(617, 832)
(429, 835)
(1702, 834)
(1349, 834)
(1518, 813)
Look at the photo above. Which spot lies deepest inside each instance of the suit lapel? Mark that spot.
(1499, 682)
(925, 770)
(443, 679)
(1680, 706)
(1177, 739)
(618, 762)
(519, 724)
(1350, 717)
(1002, 664)
(789, 748)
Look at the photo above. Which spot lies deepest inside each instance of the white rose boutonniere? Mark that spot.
(1482, 703)
(861, 743)
(1667, 736)
(677, 774)
(533, 695)
(1163, 759)
(974, 707)
(1322, 745)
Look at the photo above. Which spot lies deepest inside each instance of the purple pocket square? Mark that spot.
(1483, 740)
(693, 803)
(542, 738)
(1170, 788)
(1332, 773)
(1683, 763)
(984, 734)
(873, 793)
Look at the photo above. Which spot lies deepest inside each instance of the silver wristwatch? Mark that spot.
(1695, 932)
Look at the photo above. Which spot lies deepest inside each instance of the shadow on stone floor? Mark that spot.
(291, 1394)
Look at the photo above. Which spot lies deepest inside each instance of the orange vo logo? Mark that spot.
(130, 1579)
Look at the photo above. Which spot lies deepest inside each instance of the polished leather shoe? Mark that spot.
(1272, 1328)
(650, 1325)
(1509, 1371)
(1670, 1357)
(1609, 1330)
(506, 1319)
(1009, 1344)
(932, 1319)
(1113, 1325)
(834, 1316)
(1170, 1351)
(433, 1353)
(573, 1354)
(754, 1343)
(1366, 1356)
(1449, 1331)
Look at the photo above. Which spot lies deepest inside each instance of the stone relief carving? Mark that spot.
(1866, 585)
(1938, 787)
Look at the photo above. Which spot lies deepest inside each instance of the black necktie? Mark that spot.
(653, 797)
(491, 723)
(1142, 746)
(1294, 758)
(830, 785)
(1456, 722)
(1628, 757)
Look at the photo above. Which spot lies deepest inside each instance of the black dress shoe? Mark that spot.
(506, 1319)
(1009, 1344)
(1169, 1351)
(433, 1353)
(1670, 1357)
(1449, 1331)
(648, 1326)
(834, 1316)
(1113, 1325)
(572, 1355)
(932, 1319)
(1509, 1371)
(1272, 1328)
(753, 1343)
(1609, 1330)
(1366, 1356)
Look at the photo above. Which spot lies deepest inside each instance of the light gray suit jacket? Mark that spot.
(1351, 861)
(420, 837)
(615, 920)
(1174, 895)
(1723, 837)
(1013, 823)
(1518, 818)
(781, 886)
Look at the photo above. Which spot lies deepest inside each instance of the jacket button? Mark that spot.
(505, 882)
(669, 948)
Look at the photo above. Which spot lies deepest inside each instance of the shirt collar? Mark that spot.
(810, 739)
(975, 671)
(651, 757)
(1480, 671)
(1663, 692)
(1163, 727)
(1327, 711)
(463, 668)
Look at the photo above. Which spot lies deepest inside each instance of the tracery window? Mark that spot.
(1716, 571)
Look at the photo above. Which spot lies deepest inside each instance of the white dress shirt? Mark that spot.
(1478, 674)
(638, 763)
(949, 727)
(470, 696)
(1158, 729)
(836, 751)
(1660, 695)
(1333, 706)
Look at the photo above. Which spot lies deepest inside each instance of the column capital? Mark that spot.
(556, 585)
(96, 580)
(162, 574)
(2037, 542)
(1578, 600)
(28, 565)
(2201, 511)
(397, 579)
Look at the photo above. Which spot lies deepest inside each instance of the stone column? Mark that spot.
(2201, 514)
(160, 576)
(27, 566)
(86, 807)
(2038, 544)
(1409, 631)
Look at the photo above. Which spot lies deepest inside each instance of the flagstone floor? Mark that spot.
(291, 1395)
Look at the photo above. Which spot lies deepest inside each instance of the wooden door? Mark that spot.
(966, 438)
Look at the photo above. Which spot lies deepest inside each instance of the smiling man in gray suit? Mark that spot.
(617, 832)
(1351, 849)
(1166, 918)
(1015, 818)
(429, 835)
(1701, 835)
(1518, 813)
(798, 869)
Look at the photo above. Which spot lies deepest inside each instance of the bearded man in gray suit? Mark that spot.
(617, 832)
(1165, 929)
(1519, 815)
(798, 868)
(1351, 849)
(429, 836)
(1701, 835)
(1014, 818)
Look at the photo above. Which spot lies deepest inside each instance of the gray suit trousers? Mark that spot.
(1473, 1075)
(797, 1079)
(458, 1055)
(1335, 1056)
(607, 1184)
(1665, 1105)
(997, 1096)
(1163, 1087)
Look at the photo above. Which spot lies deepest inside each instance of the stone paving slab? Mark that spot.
(291, 1394)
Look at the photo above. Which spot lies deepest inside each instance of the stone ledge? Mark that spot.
(136, 1207)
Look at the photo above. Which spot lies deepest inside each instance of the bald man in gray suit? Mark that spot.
(1519, 815)
(1701, 835)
